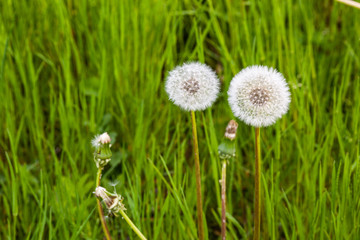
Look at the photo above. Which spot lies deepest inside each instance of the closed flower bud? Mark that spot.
(102, 154)
(231, 128)
(227, 147)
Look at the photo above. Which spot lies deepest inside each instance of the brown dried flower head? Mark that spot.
(231, 128)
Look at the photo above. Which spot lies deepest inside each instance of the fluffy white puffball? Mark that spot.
(192, 86)
(259, 95)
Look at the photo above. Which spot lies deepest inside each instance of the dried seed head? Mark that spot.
(113, 201)
(107, 199)
(231, 128)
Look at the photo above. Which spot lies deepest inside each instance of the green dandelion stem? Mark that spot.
(223, 201)
(101, 212)
(198, 177)
(257, 185)
(132, 225)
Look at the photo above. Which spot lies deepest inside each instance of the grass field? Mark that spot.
(73, 69)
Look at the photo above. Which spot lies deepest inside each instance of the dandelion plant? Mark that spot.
(112, 201)
(258, 95)
(194, 87)
(226, 151)
(102, 156)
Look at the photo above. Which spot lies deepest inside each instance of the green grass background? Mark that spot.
(73, 69)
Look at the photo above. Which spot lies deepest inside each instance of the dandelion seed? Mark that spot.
(95, 142)
(193, 86)
(114, 183)
(259, 95)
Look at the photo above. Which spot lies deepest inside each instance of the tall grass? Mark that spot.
(71, 69)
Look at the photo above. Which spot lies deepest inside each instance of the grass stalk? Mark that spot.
(257, 185)
(223, 201)
(101, 212)
(198, 177)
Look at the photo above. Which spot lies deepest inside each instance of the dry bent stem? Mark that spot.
(101, 212)
(257, 185)
(198, 177)
(223, 201)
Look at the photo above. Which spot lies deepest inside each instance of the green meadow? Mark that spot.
(72, 69)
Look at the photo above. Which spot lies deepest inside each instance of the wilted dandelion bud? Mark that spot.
(102, 154)
(193, 86)
(112, 201)
(259, 95)
(231, 128)
(104, 138)
(227, 147)
(101, 139)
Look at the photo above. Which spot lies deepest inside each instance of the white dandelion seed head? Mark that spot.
(192, 86)
(259, 95)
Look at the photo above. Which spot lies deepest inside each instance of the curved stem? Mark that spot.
(198, 177)
(101, 212)
(257, 185)
(223, 201)
(132, 225)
